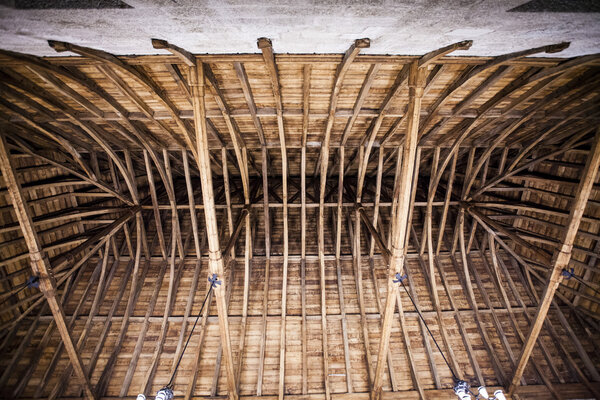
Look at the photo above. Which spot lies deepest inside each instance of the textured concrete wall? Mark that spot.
(232, 26)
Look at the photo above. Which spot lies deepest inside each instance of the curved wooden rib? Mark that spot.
(399, 83)
(307, 69)
(269, 58)
(142, 78)
(362, 96)
(49, 132)
(435, 55)
(93, 132)
(243, 77)
(474, 72)
(236, 138)
(100, 185)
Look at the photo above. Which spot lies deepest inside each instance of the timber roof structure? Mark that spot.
(308, 184)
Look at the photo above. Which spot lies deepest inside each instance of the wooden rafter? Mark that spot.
(269, 57)
(500, 143)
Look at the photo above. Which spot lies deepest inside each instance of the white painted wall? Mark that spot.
(295, 26)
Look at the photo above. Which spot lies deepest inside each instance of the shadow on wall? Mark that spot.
(570, 6)
(63, 4)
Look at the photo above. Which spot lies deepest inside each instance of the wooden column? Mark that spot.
(561, 257)
(215, 257)
(400, 223)
(40, 264)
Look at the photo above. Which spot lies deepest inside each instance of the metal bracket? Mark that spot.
(33, 282)
(400, 278)
(568, 273)
(214, 280)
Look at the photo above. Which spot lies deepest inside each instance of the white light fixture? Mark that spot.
(483, 392)
(164, 394)
(499, 395)
(461, 389)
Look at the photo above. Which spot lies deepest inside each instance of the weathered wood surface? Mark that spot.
(340, 171)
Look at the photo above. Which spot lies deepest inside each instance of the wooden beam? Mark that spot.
(362, 96)
(342, 69)
(267, 225)
(216, 259)
(243, 77)
(561, 258)
(40, 264)
(400, 222)
(306, 110)
(357, 264)
(269, 57)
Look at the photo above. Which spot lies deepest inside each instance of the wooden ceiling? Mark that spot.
(306, 183)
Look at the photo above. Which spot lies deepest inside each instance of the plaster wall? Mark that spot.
(329, 26)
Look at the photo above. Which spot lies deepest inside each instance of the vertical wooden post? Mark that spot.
(562, 257)
(415, 82)
(40, 264)
(215, 259)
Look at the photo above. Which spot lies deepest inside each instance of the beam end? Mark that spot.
(264, 43)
